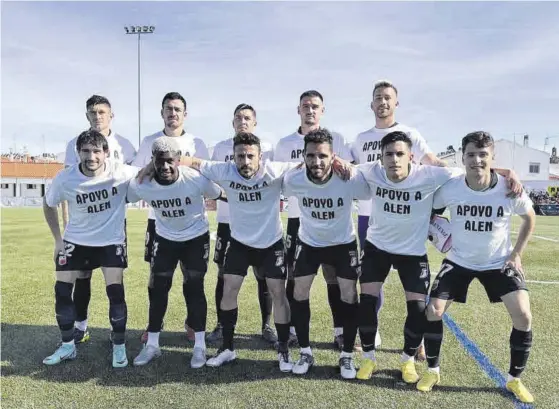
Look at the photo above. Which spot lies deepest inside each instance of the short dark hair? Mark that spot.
(240, 107)
(173, 95)
(246, 138)
(311, 94)
(480, 139)
(321, 135)
(385, 84)
(92, 137)
(396, 136)
(96, 100)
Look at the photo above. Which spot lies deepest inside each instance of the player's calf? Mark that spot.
(65, 316)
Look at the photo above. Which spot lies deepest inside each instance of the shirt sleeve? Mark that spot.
(419, 145)
(361, 189)
(54, 194)
(342, 150)
(132, 192)
(439, 199)
(280, 168)
(200, 149)
(210, 190)
(279, 153)
(129, 153)
(442, 175)
(354, 150)
(143, 156)
(522, 205)
(130, 171)
(71, 156)
(215, 171)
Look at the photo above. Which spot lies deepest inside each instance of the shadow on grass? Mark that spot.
(25, 346)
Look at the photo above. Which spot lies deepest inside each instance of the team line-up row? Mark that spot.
(392, 229)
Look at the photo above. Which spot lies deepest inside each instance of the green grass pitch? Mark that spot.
(29, 333)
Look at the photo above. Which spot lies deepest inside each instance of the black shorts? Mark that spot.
(291, 240)
(343, 257)
(86, 258)
(453, 281)
(150, 234)
(413, 270)
(193, 254)
(221, 242)
(269, 261)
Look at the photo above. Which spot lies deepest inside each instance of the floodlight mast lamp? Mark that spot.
(139, 30)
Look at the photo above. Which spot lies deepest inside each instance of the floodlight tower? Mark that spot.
(139, 30)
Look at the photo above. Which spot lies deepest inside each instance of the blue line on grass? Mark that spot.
(481, 359)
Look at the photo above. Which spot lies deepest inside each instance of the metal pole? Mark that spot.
(139, 30)
(139, 96)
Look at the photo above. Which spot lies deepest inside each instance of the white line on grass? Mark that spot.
(542, 282)
(540, 237)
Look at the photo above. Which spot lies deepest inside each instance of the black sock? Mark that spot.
(368, 321)
(413, 327)
(118, 312)
(283, 335)
(265, 300)
(196, 303)
(65, 310)
(158, 302)
(301, 318)
(82, 296)
(228, 320)
(520, 344)
(218, 296)
(350, 322)
(289, 288)
(335, 301)
(433, 339)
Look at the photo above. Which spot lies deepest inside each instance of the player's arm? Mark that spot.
(191, 162)
(70, 158)
(524, 234)
(431, 159)
(514, 184)
(51, 216)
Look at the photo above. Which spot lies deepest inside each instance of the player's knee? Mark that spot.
(194, 282)
(63, 291)
(349, 295)
(434, 312)
(84, 275)
(115, 293)
(523, 320)
(162, 285)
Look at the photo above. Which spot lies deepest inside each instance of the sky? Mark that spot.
(459, 67)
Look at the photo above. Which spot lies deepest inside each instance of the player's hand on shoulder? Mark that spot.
(146, 173)
(342, 168)
(514, 185)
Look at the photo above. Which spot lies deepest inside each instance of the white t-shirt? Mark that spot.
(96, 205)
(325, 209)
(253, 203)
(179, 209)
(120, 150)
(480, 222)
(400, 214)
(189, 145)
(366, 148)
(223, 152)
(290, 149)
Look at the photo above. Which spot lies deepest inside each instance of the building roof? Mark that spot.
(29, 170)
